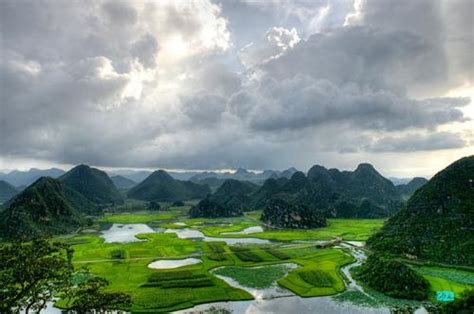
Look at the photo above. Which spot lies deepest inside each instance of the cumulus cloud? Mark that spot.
(162, 84)
(277, 41)
(304, 102)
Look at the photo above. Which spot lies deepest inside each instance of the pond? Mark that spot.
(186, 233)
(173, 263)
(125, 232)
(248, 230)
(270, 290)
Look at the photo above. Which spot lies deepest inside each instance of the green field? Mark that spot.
(142, 217)
(318, 272)
(346, 229)
(254, 277)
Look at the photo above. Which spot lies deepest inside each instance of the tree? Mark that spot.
(153, 205)
(31, 273)
(89, 295)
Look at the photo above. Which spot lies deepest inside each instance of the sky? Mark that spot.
(219, 84)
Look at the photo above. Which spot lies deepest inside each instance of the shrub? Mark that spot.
(118, 254)
(393, 278)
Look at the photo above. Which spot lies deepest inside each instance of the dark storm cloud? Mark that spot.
(418, 142)
(303, 102)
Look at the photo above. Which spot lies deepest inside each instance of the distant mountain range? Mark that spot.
(7, 191)
(122, 183)
(362, 193)
(232, 198)
(438, 221)
(24, 178)
(160, 186)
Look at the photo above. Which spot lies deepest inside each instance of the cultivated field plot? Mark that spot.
(318, 273)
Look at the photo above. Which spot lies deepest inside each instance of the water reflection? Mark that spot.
(125, 232)
(173, 263)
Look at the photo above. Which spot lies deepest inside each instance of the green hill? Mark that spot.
(122, 183)
(232, 198)
(160, 186)
(438, 221)
(7, 191)
(363, 193)
(92, 184)
(41, 209)
(211, 209)
(281, 214)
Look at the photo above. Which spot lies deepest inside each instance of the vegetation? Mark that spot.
(235, 195)
(178, 279)
(31, 273)
(90, 296)
(153, 206)
(246, 254)
(393, 278)
(281, 214)
(326, 260)
(363, 193)
(277, 253)
(212, 209)
(141, 217)
(462, 305)
(40, 210)
(317, 278)
(438, 221)
(254, 277)
(162, 187)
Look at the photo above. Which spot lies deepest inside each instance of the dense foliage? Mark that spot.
(30, 273)
(438, 221)
(90, 295)
(41, 209)
(93, 184)
(235, 195)
(281, 214)
(231, 199)
(363, 193)
(464, 304)
(162, 187)
(393, 278)
(212, 209)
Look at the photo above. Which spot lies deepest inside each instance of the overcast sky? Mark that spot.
(223, 84)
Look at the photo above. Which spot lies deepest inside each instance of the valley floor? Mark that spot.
(230, 249)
